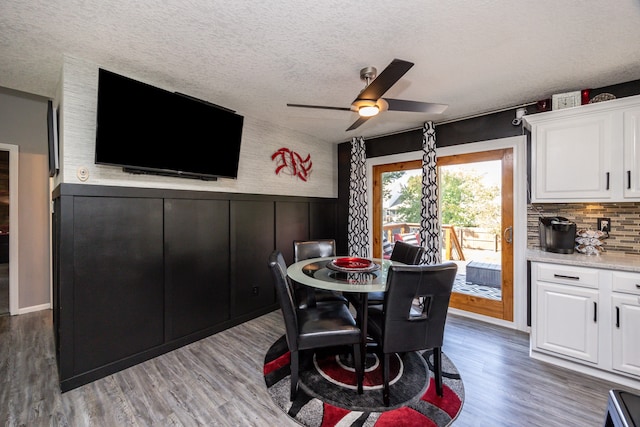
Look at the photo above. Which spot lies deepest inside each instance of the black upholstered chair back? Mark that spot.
(406, 253)
(407, 327)
(286, 297)
(306, 249)
(326, 325)
(403, 252)
(413, 315)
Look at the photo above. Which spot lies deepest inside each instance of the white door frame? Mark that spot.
(13, 224)
(519, 146)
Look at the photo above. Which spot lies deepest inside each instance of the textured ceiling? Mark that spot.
(257, 56)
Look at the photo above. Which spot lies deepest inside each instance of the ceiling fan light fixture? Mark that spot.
(368, 110)
(370, 103)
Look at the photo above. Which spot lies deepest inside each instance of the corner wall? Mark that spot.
(23, 122)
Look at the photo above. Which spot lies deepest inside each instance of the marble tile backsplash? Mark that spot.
(625, 222)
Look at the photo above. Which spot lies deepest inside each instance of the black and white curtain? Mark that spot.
(358, 225)
(429, 226)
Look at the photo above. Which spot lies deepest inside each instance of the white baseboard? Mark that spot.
(486, 319)
(33, 308)
(587, 370)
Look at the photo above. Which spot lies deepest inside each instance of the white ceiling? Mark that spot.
(257, 56)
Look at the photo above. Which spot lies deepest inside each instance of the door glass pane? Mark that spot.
(401, 204)
(470, 209)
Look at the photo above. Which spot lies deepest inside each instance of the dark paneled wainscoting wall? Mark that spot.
(140, 272)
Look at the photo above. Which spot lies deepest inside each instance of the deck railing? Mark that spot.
(454, 239)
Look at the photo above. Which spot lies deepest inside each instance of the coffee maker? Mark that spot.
(557, 234)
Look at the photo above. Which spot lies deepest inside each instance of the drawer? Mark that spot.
(628, 283)
(567, 275)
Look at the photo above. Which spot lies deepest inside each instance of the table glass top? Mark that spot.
(315, 273)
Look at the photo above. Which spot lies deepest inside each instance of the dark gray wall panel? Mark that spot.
(118, 282)
(323, 220)
(196, 265)
(252, 241)
(292, 223)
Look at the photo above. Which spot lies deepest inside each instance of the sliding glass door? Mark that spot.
(476, 217)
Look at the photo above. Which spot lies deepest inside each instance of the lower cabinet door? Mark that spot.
(567, 320)
(625, 336)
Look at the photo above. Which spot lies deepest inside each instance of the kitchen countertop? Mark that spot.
(607, 260)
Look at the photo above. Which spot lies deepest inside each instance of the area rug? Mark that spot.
(327, 393)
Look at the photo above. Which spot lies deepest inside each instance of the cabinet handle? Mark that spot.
(595, 312)
(562, 276)
(607, 180)
(617, 317)
(628, 180)
(637, 286)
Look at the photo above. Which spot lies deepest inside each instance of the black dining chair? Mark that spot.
(307, 249)
(413, 315)
(407, 253)
(326, 325)
(403, 252)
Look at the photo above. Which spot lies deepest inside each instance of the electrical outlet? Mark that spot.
(604, 224)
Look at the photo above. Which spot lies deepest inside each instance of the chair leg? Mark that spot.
(294, 374)
(385, 377)
(357, 363)
(437, 368)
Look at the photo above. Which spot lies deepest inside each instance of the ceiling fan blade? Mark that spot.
(323, 107)
(387, 78)
(357, 123)
(415, 106)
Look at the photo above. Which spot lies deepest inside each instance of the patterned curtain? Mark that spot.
(358, 225)
(429, 227)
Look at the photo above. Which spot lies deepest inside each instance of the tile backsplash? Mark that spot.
(625, 222)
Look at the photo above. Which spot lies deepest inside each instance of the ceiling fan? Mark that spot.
(370, 102)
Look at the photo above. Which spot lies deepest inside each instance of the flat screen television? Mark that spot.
(145, 129)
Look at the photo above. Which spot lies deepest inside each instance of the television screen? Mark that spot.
(146, 129)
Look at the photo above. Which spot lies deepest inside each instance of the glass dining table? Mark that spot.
(325, 273)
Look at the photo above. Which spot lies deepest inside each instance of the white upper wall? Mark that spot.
(256, 173)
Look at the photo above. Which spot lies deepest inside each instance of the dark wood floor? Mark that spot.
(218, 381)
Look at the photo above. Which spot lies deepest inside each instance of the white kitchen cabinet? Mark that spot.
(587, 318)
(625, 304)
(587, 153)
(631, 171)
(566, 313)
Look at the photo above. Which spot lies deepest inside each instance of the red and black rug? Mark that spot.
(327, 393)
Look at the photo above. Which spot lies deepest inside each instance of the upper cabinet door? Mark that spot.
(573, 158)
(632, 153)
(588, 153)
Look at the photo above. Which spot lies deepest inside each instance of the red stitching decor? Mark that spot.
(291, 163)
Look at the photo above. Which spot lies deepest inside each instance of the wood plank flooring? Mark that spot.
(218, 381)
